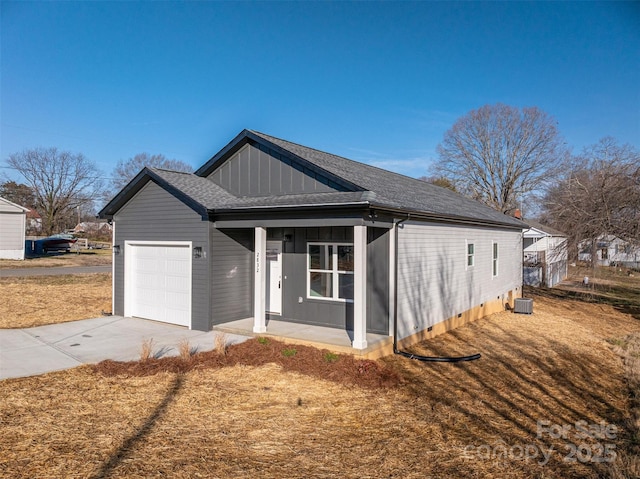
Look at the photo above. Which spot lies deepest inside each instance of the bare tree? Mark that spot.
(598, 194)
(498, 153)
(125, 171)
(60, 181)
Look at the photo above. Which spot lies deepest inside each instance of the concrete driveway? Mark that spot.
(32, 351)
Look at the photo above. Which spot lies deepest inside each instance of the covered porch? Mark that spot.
(333, 339)
(321, 280)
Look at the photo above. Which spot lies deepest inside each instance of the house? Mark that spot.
(12, 230)
(270, 233)
(93, 228)
(611, 251)
(34, 222)
(545, 255)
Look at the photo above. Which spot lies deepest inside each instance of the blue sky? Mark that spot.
(375, 82)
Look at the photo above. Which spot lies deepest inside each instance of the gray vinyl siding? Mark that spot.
(232, 274)
(256, 171)
(435, 284)
(153, 214)
(12, 227)
(334, 314)
(378, 280)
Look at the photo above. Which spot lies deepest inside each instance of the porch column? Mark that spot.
(260, 284)
(360, 287)
(392, 277)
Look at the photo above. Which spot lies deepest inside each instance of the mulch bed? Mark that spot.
(340, 368)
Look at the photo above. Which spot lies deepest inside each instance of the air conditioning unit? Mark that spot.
(523, 306)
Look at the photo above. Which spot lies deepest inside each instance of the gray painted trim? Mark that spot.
(278, 207)
(289, 223)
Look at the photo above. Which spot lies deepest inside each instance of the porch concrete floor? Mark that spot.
(337, 340)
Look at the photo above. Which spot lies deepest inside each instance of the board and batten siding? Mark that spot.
(260, 171)
(154, 214)
(434, 282)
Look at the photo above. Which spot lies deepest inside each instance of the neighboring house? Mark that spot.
(94, 228)
(12, 230)
(34, 222)
(611, 251)
(277, 232)
(545, 255)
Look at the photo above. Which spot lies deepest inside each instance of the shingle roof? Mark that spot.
(213, 197)
(397, 191)
(380, 188)
(201, 190)
(544, 228)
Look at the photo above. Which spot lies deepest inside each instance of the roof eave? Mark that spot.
(423, 215)
(11, 203)
(239, 208)
(244, 136)
(137, 183)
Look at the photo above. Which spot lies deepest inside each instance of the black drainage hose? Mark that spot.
(417, 357)
(437, 359)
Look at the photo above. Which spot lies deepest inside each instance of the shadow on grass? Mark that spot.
(624, 299)
(142, 432)
(494, 401)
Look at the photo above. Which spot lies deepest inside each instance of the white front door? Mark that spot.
(274, 277)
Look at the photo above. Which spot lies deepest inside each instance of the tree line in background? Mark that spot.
(505, 157)
(510, 158)
(66, 188)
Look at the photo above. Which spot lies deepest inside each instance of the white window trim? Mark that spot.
(468, 266)
(495, 259)
(335, 272)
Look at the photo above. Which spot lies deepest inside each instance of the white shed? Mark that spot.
(12, 229)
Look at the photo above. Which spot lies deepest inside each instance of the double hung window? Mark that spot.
(471, 253)
(330, 271)
(494, 270)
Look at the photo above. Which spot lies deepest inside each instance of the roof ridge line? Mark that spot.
(172, 171)
(338, 156)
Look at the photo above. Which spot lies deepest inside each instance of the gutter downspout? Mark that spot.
(417, 357)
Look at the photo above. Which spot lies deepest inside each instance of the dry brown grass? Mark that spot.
(83, 258)
(220, 343)
(146, 350)
(628, 348)
(184, 349)
(40, 300)
(247, 421)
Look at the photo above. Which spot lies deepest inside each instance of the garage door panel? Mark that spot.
(161, 283)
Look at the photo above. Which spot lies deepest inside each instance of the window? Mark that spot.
(494, 271)
(330, 271)
(471, 251)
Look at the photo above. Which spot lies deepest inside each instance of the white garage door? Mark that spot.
(160, 278)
